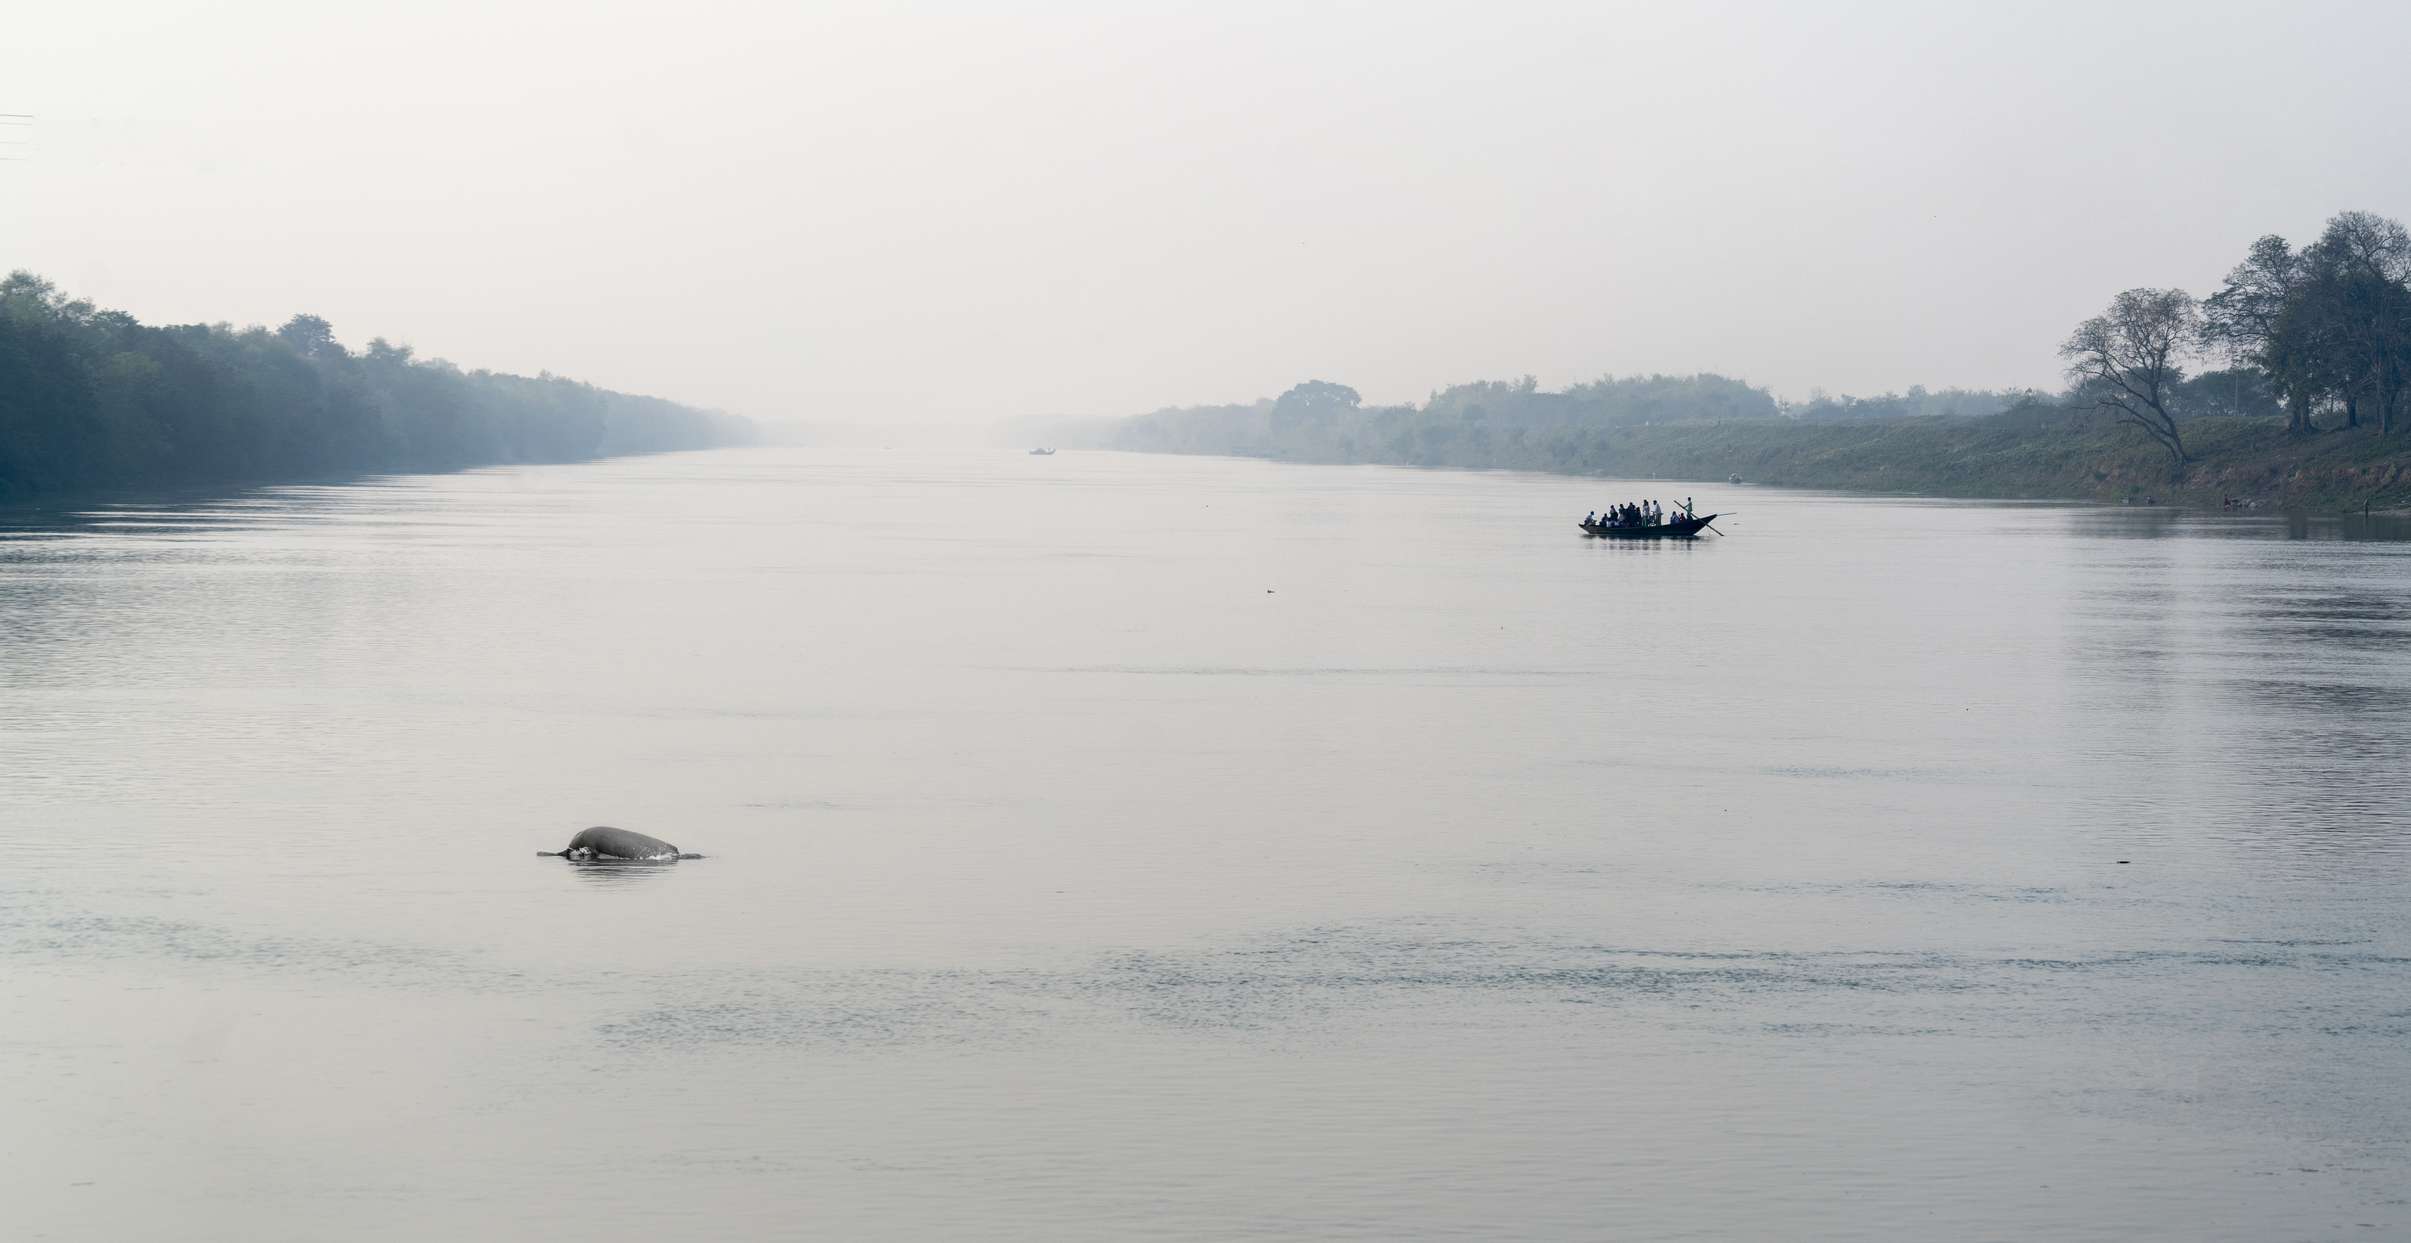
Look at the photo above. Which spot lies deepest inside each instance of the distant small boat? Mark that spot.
(1042, 453)
(1732, 479)
(1679, 528)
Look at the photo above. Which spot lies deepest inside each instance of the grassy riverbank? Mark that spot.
(2040, 450)
(2039, 453)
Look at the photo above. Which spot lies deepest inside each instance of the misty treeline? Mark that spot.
(1585, 429)
(2316, 337)
(1917, 403)
(1500, 423)
(95, 399)
(2323, 332)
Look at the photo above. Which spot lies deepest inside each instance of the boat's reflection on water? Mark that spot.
(1672, 544)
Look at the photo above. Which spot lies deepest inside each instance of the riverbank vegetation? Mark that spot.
(93, 399)
(2283, 387)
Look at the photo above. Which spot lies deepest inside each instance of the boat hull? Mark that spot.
(1683, 528)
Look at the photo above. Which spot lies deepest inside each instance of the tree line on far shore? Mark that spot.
(93, 399)
(2324, 331)
(2319, 337)
(1490, 423)
(1517, 424)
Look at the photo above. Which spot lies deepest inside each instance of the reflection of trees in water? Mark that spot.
(2348, 618)
(2124, 730)
(2391, 528)
(2139, 522)
(2358, 528)
(2258, 690)
(2123, 622)
(2338, 712)
(2288, 695)
(2169, 522)
(101, 590)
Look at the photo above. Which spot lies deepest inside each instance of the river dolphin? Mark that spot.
(604, 844)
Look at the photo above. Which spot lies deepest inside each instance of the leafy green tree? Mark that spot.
(2360, 276)
(384, 353)
(311, 337)
(2261, 316)
(2242, 392)
(28, 298)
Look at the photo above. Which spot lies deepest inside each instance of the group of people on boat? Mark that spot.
(1636, 514)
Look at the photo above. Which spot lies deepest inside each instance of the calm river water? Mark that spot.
(1119, 847)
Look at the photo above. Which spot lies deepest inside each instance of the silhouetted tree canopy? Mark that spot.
(2328, 325)
(95, 399)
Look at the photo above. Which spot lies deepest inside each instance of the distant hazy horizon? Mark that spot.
(936, 216)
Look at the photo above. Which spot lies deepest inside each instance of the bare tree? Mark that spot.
(2128, 358)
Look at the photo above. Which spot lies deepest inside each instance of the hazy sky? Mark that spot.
(948, 213)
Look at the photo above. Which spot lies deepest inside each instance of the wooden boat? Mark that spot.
(1678, 528)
